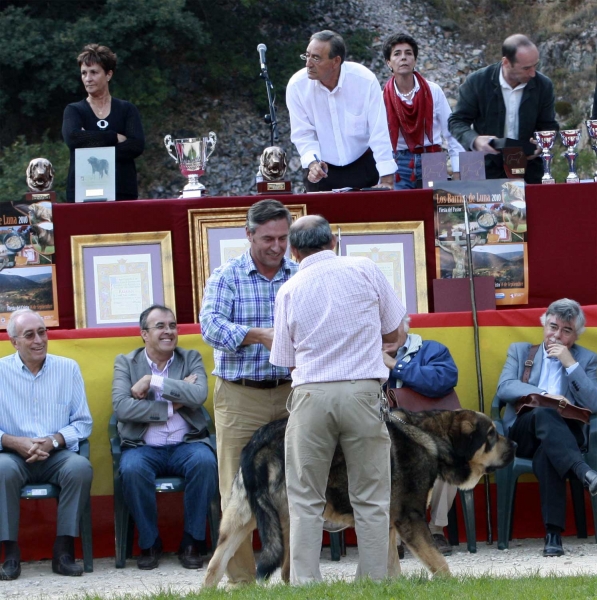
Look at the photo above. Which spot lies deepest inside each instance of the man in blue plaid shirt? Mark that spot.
(237, 320)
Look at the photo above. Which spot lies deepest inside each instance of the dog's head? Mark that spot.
(476, 441)
(273, 163)
(40, 175)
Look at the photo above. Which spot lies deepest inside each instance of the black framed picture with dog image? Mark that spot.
(95, 174)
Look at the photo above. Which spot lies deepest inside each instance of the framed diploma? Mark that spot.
(217, 235)
(117, 276)
(398, 249)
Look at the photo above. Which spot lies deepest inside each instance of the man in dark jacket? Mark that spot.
(157, 394)
(509, 99)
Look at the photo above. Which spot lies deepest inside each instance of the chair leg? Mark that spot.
(122, 527)
(577, 492)
(505, 501)
(87, 537)
(343, 543)
(335, 545)
(467, 499)
(453, 526)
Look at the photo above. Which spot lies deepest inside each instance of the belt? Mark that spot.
(264, 384)
(427, 149)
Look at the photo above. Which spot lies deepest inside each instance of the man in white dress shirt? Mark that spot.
(330, 321)
(43, 417)
(338, 120)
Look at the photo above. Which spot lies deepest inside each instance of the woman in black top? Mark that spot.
(101, 120)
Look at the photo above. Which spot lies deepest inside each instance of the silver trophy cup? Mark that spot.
(191, 154)
(592, 130)
(545, 141)
(571, 137)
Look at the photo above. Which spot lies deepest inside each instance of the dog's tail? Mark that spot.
(269, 525)
(262, 466)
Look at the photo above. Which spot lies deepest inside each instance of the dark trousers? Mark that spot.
(359, 174)
(554, 445)
(139, 468)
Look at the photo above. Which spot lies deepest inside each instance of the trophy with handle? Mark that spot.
(545, 141)
(571, 137)
(192, 155)
(592, 130)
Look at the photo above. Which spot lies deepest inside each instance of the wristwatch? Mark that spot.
(54, 442)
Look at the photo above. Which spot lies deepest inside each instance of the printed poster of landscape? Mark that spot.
(498, 233)
(29, 287)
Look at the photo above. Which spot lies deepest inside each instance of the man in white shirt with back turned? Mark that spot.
(330, 322)
(338, 120)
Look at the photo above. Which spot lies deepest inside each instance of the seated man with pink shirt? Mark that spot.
(157, 395)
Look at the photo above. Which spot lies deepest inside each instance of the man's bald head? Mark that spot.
(311, 234)
(513, 43)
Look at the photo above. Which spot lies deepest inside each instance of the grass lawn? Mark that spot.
(410, 588)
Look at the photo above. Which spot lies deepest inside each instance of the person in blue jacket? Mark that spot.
(426, 367)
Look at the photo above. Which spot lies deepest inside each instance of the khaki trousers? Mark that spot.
(239, 411)
(442, 498)
(322, 415)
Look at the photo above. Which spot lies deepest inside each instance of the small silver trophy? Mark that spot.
(592, 129)
(545, 141)
(571, 137)
(191, 154)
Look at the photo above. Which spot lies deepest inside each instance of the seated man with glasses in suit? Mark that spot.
(561, 368)
(157, 394)
(43, 417)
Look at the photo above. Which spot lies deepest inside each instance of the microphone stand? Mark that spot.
(469, 251)
(271, 118)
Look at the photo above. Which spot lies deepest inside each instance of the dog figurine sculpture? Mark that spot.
(40, 175)
(273, 164)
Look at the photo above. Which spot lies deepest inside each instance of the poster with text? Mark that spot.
(498, 234)
(27, 271)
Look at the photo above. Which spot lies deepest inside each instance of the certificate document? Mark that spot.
(123, 287)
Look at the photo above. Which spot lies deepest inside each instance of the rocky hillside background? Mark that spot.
(455, 37)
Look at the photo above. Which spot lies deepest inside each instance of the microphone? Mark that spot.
(261, 48)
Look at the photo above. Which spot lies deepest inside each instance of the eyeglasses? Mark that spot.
(315, 59)
(163, 327)
(30, 335)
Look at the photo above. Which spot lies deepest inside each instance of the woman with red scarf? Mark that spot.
(417, 111)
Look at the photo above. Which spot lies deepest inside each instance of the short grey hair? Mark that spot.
(11, 328)
(337, 45)
(568, 311)
(266, 210)
(310, 236)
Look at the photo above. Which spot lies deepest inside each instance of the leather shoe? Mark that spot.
(65, 565)
(11, 569)
(150, 557)
(190, 557)
(590, 482)
(553, 545)
(442, 544)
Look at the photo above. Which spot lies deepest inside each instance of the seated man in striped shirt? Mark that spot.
(157, 394)
(43, 417)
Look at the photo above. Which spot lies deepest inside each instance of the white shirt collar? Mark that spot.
(506, 85)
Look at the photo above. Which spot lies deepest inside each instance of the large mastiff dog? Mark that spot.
(456, 446)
